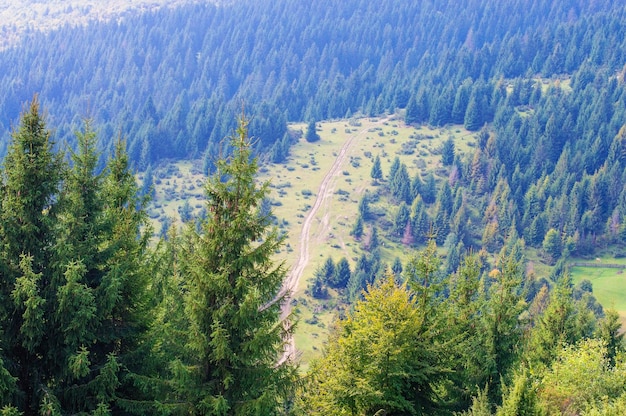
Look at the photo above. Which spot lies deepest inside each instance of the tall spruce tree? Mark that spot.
(79, 289)
(30, 182)
(235, 335)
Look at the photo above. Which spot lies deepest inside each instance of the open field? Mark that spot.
(609, 284)
(295, 185)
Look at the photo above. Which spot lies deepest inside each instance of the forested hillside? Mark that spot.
(99, 317)
(171, 80)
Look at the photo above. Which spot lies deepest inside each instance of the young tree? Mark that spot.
(357, 229)
(342, 274)
(311, 135)
(447, 152)
(232, 300)
(376, 172)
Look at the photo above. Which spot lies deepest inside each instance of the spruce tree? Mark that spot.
(30, 182)
(235, 337)
(376, 172)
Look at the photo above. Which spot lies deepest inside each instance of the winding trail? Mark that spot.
(324, 195)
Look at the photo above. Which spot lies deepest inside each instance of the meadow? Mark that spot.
(295, 185)
(609, 284)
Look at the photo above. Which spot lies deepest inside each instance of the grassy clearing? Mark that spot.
(295, 185)
(609, 284)
(175, 183)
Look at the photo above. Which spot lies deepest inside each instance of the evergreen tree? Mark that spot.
(552, 245)
(372, 241)
(311, 135)
(342, 274)
(30, 182)
(364, 207)
(447, 152)
(503, 333)
(328, 270)
(473, 117)
(357, 230)
(376, 172)
(232, 299)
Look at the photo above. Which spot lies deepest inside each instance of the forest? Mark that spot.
(97, 316)
(95, 320)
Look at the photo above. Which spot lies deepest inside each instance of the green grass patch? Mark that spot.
(609, 284)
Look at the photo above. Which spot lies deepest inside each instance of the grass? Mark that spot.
(294, 187)
(302, 174)
(609, 284)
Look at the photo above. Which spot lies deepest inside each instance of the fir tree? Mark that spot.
(235, 336)
(30, 182)
(376, 172)
(311, 135)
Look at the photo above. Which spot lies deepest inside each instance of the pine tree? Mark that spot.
(342, 274)
(235, 336)
(357, 229)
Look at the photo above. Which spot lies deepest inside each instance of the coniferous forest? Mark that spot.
(98, 317)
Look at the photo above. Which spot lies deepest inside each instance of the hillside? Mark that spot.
(24, 18)
(433, 191)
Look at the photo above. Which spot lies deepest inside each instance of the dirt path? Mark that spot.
(323, 198)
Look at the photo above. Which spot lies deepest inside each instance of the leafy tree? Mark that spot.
(232, 299)
(609, 331)
(520, 399)
(384, 347)
(581, 377)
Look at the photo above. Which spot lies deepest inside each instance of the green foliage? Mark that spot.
(311, 135)
(235, 335)
(552, 245)
(78, 293)
(376, 173)
(521, 398)
(581, 377)
(447, 152)
(382, 357)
